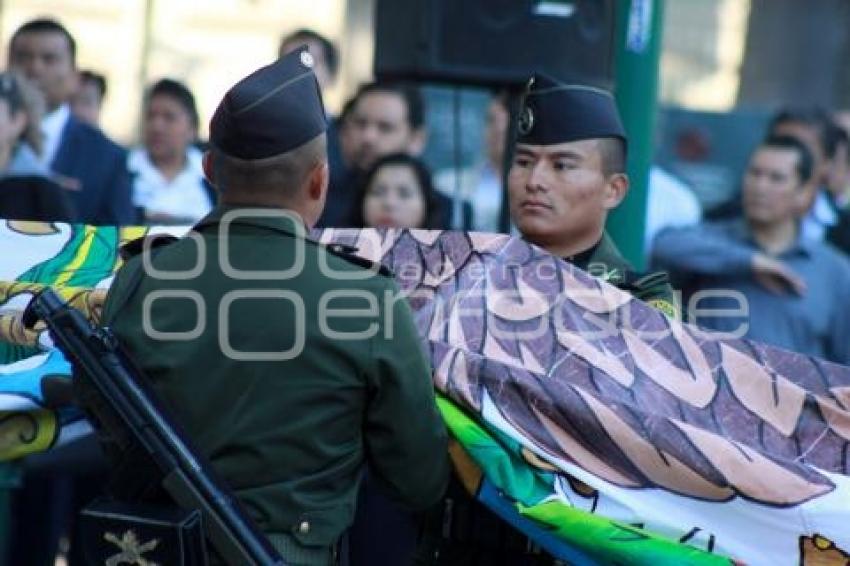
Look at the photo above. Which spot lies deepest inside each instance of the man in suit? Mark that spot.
(83, 160)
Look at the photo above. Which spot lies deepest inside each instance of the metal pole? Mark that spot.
(638, 50)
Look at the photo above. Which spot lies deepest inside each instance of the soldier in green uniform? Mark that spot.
(289, 364)
(568, 173)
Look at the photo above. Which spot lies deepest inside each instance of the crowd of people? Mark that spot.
(781, 246)
(89, 178)
(776, 254)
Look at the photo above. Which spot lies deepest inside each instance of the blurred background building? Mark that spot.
(725, 65)
(717, 53)
(208, 44)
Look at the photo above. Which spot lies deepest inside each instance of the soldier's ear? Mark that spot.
(616, 188)
(318, 182)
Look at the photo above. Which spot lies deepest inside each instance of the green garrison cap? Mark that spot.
(554, 113)
(272, 111)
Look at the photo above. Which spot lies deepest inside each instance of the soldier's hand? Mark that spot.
(775, 276)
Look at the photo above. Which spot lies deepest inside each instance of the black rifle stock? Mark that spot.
(189, 481)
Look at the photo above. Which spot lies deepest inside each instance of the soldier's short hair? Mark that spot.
(614, 156)
(280, 173)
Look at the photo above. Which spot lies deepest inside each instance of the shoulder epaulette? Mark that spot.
(135, 273)
(134, 247)
(654, 289)
(347, 253)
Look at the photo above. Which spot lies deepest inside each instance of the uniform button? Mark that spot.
(304, 527)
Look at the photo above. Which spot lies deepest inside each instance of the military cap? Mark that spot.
(272, 111)
(553, 113)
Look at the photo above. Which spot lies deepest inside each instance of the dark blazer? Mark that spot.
(342, 186)
(94, 170)
(31, 197)
(839, 234)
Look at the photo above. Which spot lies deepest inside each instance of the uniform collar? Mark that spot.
(253, 216)
(604, 251)
(582, 259)
(602, 260)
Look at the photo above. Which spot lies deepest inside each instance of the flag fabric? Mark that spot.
(604, 430)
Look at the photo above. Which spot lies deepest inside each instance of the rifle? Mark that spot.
(97, 356)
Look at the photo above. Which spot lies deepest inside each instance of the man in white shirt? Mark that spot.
(51, 126)
(671, 203)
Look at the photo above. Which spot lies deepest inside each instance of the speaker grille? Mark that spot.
(495, 41)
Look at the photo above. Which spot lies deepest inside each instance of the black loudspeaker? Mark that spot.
(495, 42)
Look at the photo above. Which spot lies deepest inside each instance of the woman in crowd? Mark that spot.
(168, 180)
(26, 191)
(397, 192)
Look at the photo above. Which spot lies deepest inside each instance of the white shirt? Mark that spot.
(52, 126)
(487, 201)
(670, 203)
(184, 198)
(481, 187)
(820, 218)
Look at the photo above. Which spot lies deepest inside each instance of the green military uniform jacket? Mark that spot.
(290, 435)
(604, 261)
